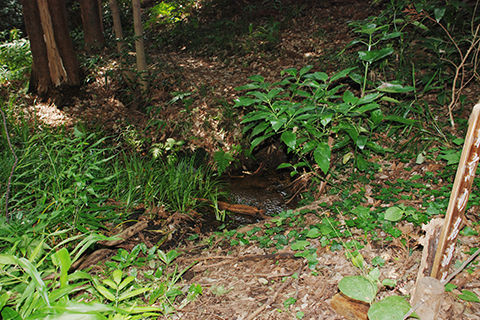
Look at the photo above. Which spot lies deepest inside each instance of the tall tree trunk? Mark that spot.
(117, 24)
(54, 60)
(139, 46)
(92, 24)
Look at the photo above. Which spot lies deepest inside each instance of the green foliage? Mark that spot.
(58, 179)
(169, 12)
(302, 110)
(38, 285)
(15, 58)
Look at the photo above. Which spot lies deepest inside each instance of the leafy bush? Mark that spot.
(15, 58)
(304, 111)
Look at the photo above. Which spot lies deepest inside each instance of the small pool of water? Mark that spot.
(260, 192)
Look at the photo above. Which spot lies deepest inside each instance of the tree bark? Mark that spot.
(92, 24)
(117, 24)
(139, 46)
(54, 60)
(40, 77)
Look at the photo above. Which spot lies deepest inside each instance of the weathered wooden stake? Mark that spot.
(428, 291)
(462, 186)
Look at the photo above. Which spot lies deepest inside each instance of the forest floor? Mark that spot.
(249, 281)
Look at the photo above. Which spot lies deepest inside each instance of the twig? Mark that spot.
(13, 167)
(412, 310)
(472, 257)
(270, 300)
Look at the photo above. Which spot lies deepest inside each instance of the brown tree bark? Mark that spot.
(117, 23)
(92, 24)
(54, 59)
(139, 46)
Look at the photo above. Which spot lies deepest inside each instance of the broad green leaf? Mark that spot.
(256, 141)
(56, 294)
(390, 308)
(389, 283)
(374, 275)
(134, 293)
(7, 259)
(394, 214)
(361, 142)
(260, 95)
(63, 258)
(105, 293)
(356, 77)
(4, 299)
(468, 296)
(357, 261)
(289, 138)
(320, 76)
(245, 102)
(10, 314)
(284, 165)
(117, 276)
(125, 282)
(389, 99)
(439, 13)
(37, 279)
(36, 252)
(305, 70)
(420, 25)
(368, 28)
(361, 162)
(290, 71)
(326, 118)
(341, 74)
(313, 233)
(309, 146)
(376, 116)
(256, 78)
(322, 156)
(394, 88)
(358, 288)
(277, 124)
(349, 97)
(254, 116)
(449, 287)
(110, 283)
(392, 35)
(374, 55)
(249, 86)
(369, 98)
(299, 245)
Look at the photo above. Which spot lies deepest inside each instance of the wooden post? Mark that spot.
(462, 186)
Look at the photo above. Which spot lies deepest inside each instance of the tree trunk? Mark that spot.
(92, 24)
(117, 24)
(139, 46)
(54, 60)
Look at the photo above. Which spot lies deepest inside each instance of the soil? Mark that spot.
(247, 281)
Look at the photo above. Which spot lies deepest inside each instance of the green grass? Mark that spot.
(66, 178)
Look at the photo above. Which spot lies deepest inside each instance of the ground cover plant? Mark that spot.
(346, 107)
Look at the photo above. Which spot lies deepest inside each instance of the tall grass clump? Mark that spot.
(60, 178)
(64, 179)
(176, 184)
